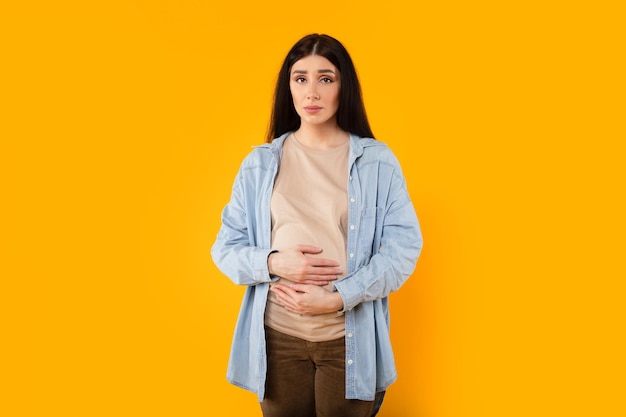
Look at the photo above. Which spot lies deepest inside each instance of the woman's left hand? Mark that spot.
(307, 300)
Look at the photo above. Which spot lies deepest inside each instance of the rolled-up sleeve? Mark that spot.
(235, 251)
(395, 250)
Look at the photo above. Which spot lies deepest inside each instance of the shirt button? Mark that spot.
(350, 177)
(349, 361)
(352, 200)
(349, 334)
(352, 255)
(351, 227)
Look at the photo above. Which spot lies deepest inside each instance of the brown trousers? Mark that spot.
(307, 379)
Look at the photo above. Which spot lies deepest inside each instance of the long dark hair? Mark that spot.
(351, 115)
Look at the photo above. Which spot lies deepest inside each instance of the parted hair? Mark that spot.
(351, 115)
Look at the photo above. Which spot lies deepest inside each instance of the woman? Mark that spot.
(320, 228)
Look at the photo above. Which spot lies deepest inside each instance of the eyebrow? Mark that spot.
(321, 71)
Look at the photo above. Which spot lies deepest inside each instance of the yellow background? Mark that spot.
(123, 124)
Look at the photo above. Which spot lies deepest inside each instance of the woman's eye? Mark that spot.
(326, 80)
(300, 80)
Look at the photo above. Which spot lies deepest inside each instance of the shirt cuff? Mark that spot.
(350, 296)
(261, 270)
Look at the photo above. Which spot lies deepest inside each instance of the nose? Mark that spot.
(312, 93)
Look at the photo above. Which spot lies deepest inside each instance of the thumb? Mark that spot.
(299, 287)
(308, 249)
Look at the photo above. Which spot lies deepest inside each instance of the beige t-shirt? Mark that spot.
(309, 206)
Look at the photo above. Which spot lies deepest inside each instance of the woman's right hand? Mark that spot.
(294, 265)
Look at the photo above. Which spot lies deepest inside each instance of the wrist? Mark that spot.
(270, 263)
(337, 302)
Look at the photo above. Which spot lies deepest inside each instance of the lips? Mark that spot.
(312, 109)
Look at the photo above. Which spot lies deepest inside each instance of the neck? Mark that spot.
(321, 137)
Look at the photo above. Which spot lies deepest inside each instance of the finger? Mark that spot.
(316, 283)
(321, 277)
(313, 270)
(285, 290)
(324, 262)
(299, 288)
(284, 299)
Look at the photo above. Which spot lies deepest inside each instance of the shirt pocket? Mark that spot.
(367, 228)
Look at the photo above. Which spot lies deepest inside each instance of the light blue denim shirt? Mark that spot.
(382, 249)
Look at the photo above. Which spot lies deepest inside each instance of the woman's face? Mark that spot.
(315, 84)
